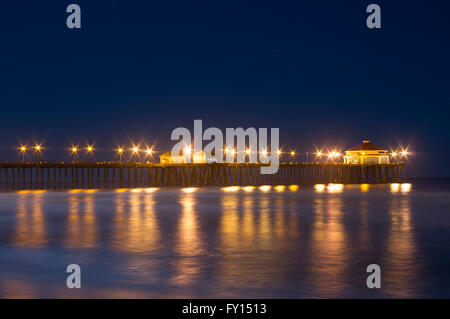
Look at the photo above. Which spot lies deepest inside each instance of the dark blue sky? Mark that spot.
(138, 69)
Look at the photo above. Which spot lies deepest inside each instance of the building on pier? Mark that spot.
(168, 158)
(366, 153)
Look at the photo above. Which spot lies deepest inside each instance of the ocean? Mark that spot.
(236, 242)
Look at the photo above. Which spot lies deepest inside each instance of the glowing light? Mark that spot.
(334, 154)
(38, 147)
(279, 152)
(264, 152)
(247, 151)
(292, 153)
(319, 187)
(33, 191)
(280, 188)
(394, 154)
(149, 151)
(189, 189)
(264, 188)
(364, 187)
(335, 188)
(74, 149)
(135, 150)
(151, 189)
(395, 187)
(89, 148)
(80, 190)
(120, 150)
(230, 189)
(227, 150)
(293, 188)
(232, 151)
(187, 150)
(23, 148)
(249, 188)
(404, 153)
(319, 154)
(405, 187)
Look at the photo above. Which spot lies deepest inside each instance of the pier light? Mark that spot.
(22, 149)
(233, 151)
(187, 150)
(120, 152)
(292, 153)
(74, 150)
(227, 150)
(247, 151)
(89, 148)
(264, 152)
(38, 148)
(394, 154)
(135, 150)
(319, 154)
(404, 153)
(149, 151)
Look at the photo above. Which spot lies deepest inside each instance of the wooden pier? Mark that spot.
(107, 175)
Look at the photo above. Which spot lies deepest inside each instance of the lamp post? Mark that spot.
(149, 152)
(120, 151)
(293, 156)
(23, 150)
(38, 149)
(89, 149)
(74, 152)
(247, 153)
(319, 155)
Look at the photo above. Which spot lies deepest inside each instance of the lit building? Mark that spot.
(366, 153)
(168, 158)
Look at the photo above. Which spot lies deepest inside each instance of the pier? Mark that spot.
(110, 175)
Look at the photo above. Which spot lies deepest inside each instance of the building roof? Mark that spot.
(366, 145)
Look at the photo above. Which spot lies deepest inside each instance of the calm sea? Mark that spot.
(263, 242)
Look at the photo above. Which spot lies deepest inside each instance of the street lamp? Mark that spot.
(120, 151)
(134, 151)
(38, 148)
(74, 150)
(23, 150)
(318, 155)
(149, 152)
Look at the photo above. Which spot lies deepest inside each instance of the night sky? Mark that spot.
(138, 69)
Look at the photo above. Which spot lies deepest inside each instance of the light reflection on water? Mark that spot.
(231, 242)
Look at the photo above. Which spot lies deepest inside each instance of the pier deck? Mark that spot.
(106, 175)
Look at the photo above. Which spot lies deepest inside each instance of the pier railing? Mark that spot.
(43, 175)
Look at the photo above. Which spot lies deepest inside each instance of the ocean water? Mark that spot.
(262, 242)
